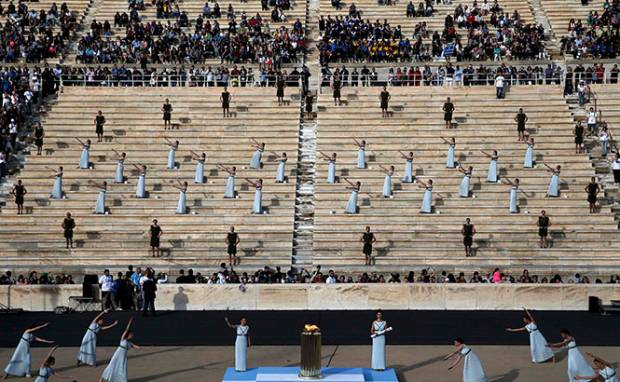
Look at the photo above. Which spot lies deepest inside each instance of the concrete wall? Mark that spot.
(336, 297)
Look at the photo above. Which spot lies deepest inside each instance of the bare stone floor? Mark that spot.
(413, 363)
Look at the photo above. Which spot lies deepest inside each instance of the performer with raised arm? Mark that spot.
(57, 188)
(257, 207)
(331, 167)
(85, 157)
(174, 146)
(100, 207)
(472, 367)
(119, 176)
(538, 344)
(88, 349)
(514, 190)
(387, 181)
(427, 199)
(492, 175)
(464, 187)
(141, 186)
(19, 365)
(116, 371)
(554, 185)
(242, 343)
(528, 161)
(182, 203)
(230, 180)
(361, 153)
(450, 162)
(259, 148)
(47, 368)
(377, 333)
(352, 203)
(577, 364)
(408, 178)
(281, 172)
(199, 177)
(605, 371)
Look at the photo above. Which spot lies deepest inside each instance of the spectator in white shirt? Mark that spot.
(499, 86)
(106, 282)
(331, 278)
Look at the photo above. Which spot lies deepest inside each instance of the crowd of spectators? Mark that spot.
(34, 278)
(177, 41)
(600, 37)
(34, 35)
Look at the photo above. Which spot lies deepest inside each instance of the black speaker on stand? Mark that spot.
(87, 285)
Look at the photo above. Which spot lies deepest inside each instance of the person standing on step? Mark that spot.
(331, 167)
(361, 153)
(387, 181)
(408, 178)
(521, 118)
(615, 166)
(182, 203)
(230, 180)
(514, 190)
(336, 86)
(450, 162)
(593, 189)
(226, 98)
(259, 148)
(99, 122)
(578, 132)
(100, 207)
(68, 225)
(352, 203)
(468, 231)
(167, 110)
(427, 199)
(141, 185)
(309, 107)
(384, 99)
(155, 233)
(377, 332)
(492, 171)
(119, 176)
(39, 134)
(604, 137)
(553, 191)
(472, 367)
(19, 365)
(528, 160)
(232, 241)
(464, 187)
(543, 229)
(242, 343)
(199, 176)
(448, 109)
(174, 146)
(592, 122)
(18, 192)
(88, 348)
(368, 238)
(281, 171)
(85, 156)
(539, 351)
(257, 207)
(280, 85)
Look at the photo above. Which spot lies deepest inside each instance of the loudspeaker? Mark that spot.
(87, 285)
(594, 304)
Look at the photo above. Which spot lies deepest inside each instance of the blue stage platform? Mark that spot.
(290, 374)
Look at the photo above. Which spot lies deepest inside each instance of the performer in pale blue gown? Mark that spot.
(464, 187)
(539, 351)
(100, 206)
(257, 207)
(331, 167)
(361, 153)
(472, 367)
(408, 178)
(19, 365)
(492, 175)
(88, 349)
(577, 364)
(352, 203)
(553, 190)
(57, 189)
(230, 180)
(256, 162)
(377, 332)
(199, 177)
(182, 203)
(528, 161)
(116, 371)
(242, 343)
(47, 368)
(85, 157)
(427, 199)
(119, 176)
(387, 181)
(141, 186)
(514, 191)
(450, 162)
(605, 371)
(281, 172)
(174, 146)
